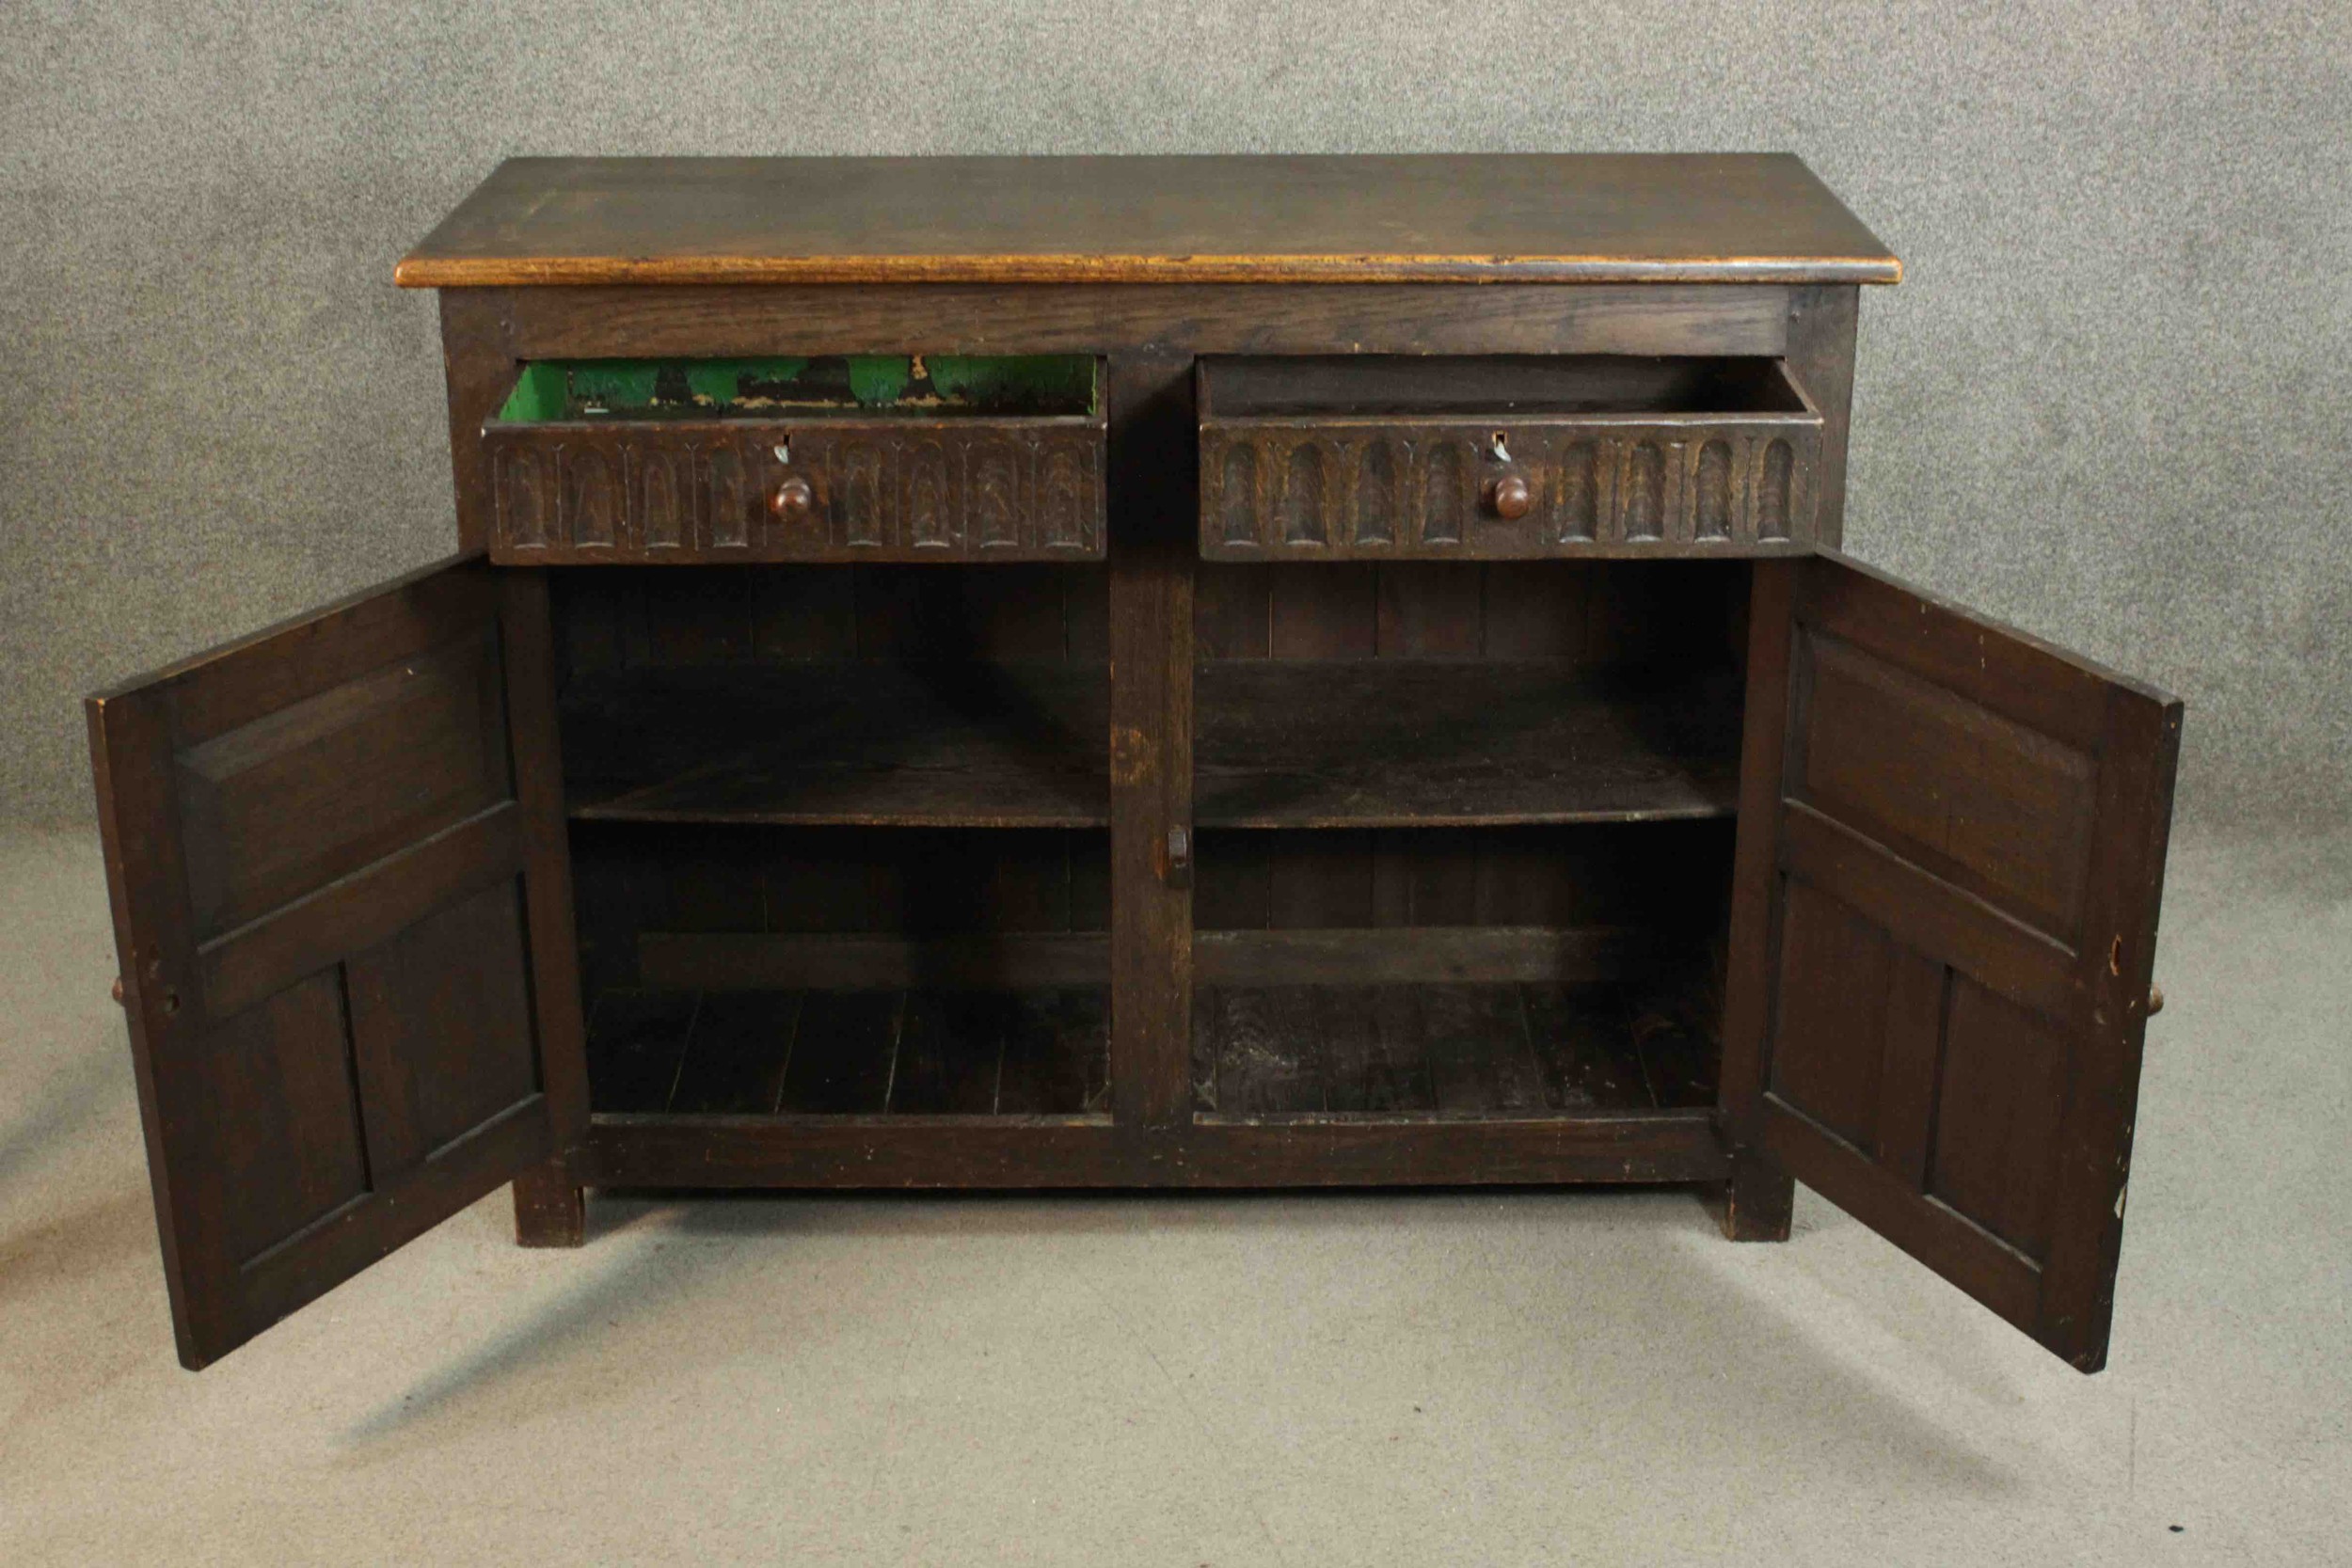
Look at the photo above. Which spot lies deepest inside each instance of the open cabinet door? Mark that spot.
(1952, 843)
(343, 914)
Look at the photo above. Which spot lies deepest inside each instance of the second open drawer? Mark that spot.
(1503, 457)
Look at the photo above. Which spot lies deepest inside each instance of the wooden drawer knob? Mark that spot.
(2155, 1000)
(1511, 497)
(793, 502)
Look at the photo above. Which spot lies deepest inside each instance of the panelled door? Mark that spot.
(342, 916)
(1952, 842)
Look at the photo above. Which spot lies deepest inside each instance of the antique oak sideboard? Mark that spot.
(1139, 673)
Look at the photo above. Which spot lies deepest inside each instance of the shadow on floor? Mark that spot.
(91, 1237)
(659, 1293)
(67, 1101)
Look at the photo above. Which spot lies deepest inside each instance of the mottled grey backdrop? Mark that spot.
(2108, 403)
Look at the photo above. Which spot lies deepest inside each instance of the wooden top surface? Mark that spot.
(1526, 217)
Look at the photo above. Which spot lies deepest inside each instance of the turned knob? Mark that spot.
(1512, 498)
(2155, 1000)
(117, 990)
(793, 502)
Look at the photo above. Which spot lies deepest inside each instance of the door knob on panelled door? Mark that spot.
(793, 502)
(170, 1002)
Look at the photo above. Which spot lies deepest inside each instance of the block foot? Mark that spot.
(1755, 1205)
(551, 1210)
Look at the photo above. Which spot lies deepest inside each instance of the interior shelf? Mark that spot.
(1378, 743)
(972, 745)
(881, 1052)
(1463, 1051)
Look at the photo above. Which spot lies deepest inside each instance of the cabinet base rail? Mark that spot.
(999, 1152)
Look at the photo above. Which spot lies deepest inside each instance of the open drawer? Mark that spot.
(857, 458)
(1509, 456)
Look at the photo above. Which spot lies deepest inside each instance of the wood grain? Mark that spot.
(1938, 992)
(1395, 742)
(1151, 723)
(632, 322)
(676, 490)
(1397, 458)
(327, 846)
(1016, 1152)
(1665, 218)
(979, 745)
(848, 1051)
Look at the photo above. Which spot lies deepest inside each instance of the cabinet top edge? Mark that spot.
(1757, 219)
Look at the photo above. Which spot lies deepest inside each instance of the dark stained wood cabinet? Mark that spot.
(1140, 673)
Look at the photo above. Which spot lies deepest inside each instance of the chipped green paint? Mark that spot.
(720, 382)
(944, 385)
(613, 383)
(1061, 382)
(876, 381)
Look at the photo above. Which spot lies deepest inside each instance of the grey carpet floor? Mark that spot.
(1446, 1378)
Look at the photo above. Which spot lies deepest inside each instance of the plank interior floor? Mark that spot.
(1439, 1049)
(850, 1053)
(1447, 1049)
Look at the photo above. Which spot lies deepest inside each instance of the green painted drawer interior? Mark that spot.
(889, 458)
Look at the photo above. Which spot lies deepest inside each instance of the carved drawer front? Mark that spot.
(1367, 456)
(862, 458)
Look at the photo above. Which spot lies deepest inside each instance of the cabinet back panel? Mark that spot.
(638, 878)
(1643, 874)
(616, 618)
(1582, 613)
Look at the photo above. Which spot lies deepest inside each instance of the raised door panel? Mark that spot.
(342, 918)
(1952, 847)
